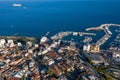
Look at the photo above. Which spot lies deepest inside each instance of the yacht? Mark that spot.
(17, 5)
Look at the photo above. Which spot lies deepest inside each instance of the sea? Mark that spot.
(37, 17)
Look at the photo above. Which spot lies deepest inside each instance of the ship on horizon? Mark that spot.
(16, 5)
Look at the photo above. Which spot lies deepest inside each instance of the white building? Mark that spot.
(26, 54)
(39, 53)
(75, 33)
(43, 39)
(29, 44)
(19, 44)
(46, 51)
(86, 47)
(53, 45)
(92, 77)
(50, 62)
(7, 61)
(36, 45)
(19, 75)
(10, 41)
(62, 78)
(12, 45)
(2, 42)
(59, 58)
(31, 64)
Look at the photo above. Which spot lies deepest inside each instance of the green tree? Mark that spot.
(50, 72)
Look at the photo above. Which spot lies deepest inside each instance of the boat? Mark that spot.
(16, 34)
(17, 5)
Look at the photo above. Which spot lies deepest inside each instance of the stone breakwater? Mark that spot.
(67, 33)
(105, 28)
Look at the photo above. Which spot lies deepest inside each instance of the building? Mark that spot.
(36, 45)
(30, 51)
(62, 78)
(96, 59)
(92, 77)
(95, 48)
(51, 61)
(29, 44)
(19, 44)
(10, 41)
(19, 75)
(43, 40)
(12, 45)
(86, 47)
(2, 42)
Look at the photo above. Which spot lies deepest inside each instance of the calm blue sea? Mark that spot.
(35, 18)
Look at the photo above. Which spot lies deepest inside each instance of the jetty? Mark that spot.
(105, 28)
(67, 33)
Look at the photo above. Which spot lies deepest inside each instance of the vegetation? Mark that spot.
(101, 70)
(42, 63)
(119, 66)
(90, 61)
(50, 72)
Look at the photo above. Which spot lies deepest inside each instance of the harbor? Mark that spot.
(57, 56)
(61, 35)
(105, 28)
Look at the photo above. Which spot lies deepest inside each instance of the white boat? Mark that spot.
(17, 5)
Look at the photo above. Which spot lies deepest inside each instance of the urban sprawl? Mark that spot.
(53, 58)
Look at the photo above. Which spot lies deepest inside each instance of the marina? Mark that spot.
(64, 34)
(105, 28)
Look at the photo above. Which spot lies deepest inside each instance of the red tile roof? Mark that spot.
(53, 78)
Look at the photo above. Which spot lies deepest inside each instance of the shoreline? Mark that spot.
(24, 38)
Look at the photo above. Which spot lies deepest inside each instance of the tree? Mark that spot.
(50, 72)
(42, 63)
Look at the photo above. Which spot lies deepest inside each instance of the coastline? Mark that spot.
(24, 38)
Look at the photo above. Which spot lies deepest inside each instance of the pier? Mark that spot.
(102, 27)
(105, 28)
(64, 34)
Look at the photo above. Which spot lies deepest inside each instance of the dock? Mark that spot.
(67, 33)
(105, 28)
